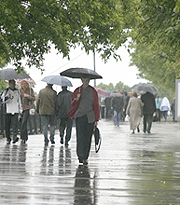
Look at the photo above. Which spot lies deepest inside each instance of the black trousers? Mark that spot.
(23, 128)
(84, 131)
(147, 121)
(65, 123)
(11, 120)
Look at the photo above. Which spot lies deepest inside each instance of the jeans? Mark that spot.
(48, 120)
(66, 123)
(84, 131)
(116, 117)
(11, 120)
(23, 128)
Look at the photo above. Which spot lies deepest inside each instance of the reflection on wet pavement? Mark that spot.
(129, 169)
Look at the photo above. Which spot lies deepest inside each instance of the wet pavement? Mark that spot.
(130, 169)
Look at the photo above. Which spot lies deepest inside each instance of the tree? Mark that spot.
(28, 28)
(111, 87)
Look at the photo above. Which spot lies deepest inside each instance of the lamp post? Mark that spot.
(94, 66)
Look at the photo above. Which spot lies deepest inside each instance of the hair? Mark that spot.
(12, 81)
(25, 82)
(134, 94)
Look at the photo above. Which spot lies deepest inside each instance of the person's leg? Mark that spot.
(8, 126)
(80, 135)
(23, 129)
(115, 117)
(44, 120)
(165, 115)
(15, 127)
(118, 118)
(149, 120)
(61, 129)
(69, 123)
(52, 121)
(144, 123)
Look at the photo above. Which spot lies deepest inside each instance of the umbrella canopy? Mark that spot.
(103, 92)
(11, 74)
(57, 80)
(80, 72)
(29, 80)
(145, 88)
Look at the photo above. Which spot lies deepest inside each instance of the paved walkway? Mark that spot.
(130, 169)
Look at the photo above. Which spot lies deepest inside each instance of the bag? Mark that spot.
(97, 139)
(32, 111)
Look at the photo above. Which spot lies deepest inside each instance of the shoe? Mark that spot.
(85, 162)
(149, 132)
(46, 141)
(52, 142)
(66, 144)
(16, 140)
(8, 141)
(61, 141)
(133, 132)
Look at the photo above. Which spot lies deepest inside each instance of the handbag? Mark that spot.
(97, 139)
(32, 111)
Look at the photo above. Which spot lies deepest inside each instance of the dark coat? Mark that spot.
(63, 103)
(118, 103)
(149, 103)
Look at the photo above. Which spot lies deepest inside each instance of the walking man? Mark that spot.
(12, 108)
(45, 106)
(63, 105)
(148, 110)
(117, 106)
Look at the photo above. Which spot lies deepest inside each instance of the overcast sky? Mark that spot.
(112, 71)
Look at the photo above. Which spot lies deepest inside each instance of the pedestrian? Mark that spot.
(158, 105)
(45, 106)
(63, 105)
(108, 107)
(173, 109)
(117, 106)
(148, 110)
(134, 111)
(11, 100)
(126, 101)
(27, 99)
(165, 107)
(86, 112)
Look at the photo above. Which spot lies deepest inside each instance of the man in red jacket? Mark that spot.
(86, 112)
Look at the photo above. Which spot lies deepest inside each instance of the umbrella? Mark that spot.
(10, 74)
(29, 80)
(103, 92)
(145, 88)
(80, 72)
(57, 80)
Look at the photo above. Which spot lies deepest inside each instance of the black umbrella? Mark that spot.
(145, 87)
(11, 74)
(80, 72)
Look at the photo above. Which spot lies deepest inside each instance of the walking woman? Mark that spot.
(86, 112)
(134, 110)
(165, 107)
(27, 98)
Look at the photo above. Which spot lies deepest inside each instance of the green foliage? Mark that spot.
(28, 28)
(111, 87)
(3, 85)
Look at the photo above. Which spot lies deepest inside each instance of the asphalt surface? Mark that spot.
(130, 169)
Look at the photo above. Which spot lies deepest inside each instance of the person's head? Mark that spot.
(12, 84)
(157, 96)
(24, 84)
(118, 94)
(49, 85)
(134, 94)
(64, 87)
(85, 81)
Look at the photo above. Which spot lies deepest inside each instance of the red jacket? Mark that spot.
(75, 103)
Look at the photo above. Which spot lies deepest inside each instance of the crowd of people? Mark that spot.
(83, 106)
(149, 106)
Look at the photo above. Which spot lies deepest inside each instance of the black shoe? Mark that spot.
(46, 142)
(61, 141)
(149, 132)
(52, 142)
(8, 141)
(133, 132)
(16, 140)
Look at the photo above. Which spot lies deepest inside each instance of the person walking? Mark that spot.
(134, 110)
(158, 105)
(148, 110)
(86, 112)
(173, 109)
(117, 106)
(27, 98)
(165, 107)
(63, 105)
(11, 99)
(45, 106)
